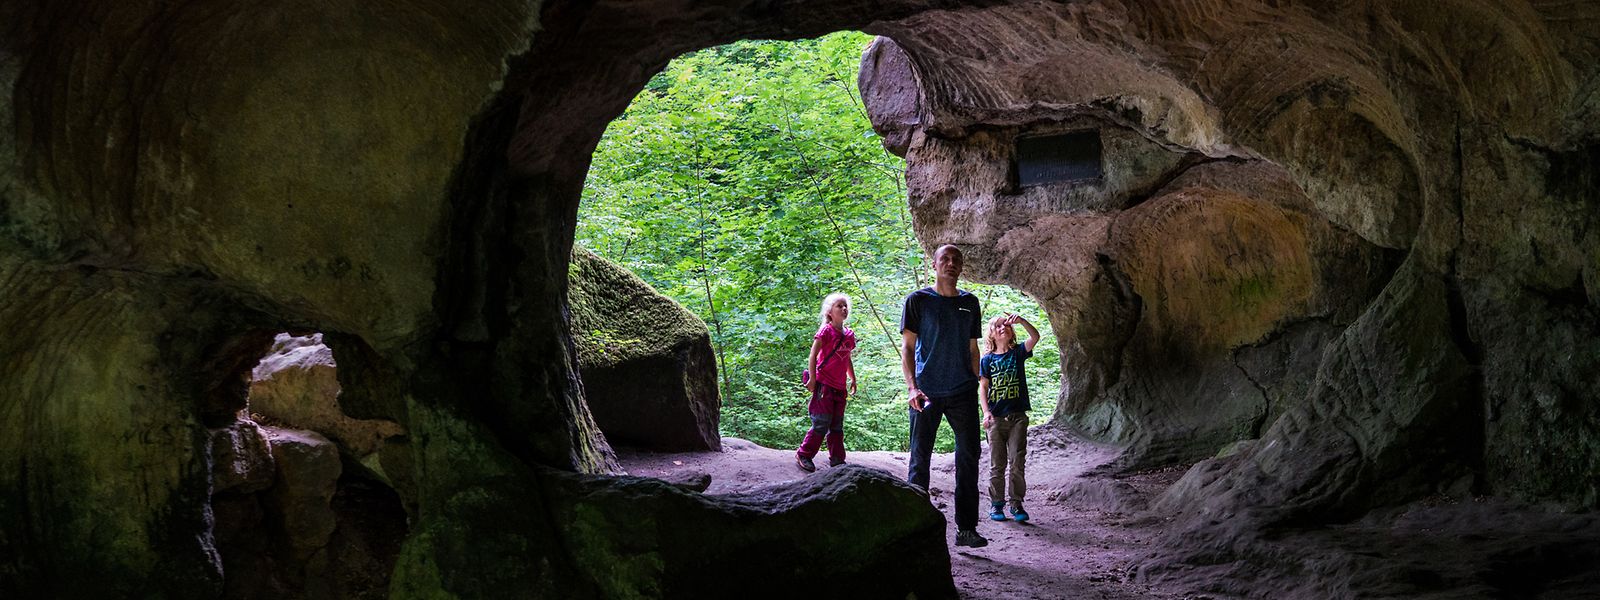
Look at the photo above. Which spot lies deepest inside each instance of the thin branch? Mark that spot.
(705, 276)
(838, 230)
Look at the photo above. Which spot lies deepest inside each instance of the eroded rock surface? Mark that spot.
(289, 522)
(297, 386)
(1337, 235)
(857, 528)
(1358, 233)
(241, 459)
(308, 471)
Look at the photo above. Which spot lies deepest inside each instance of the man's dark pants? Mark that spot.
(962, 411)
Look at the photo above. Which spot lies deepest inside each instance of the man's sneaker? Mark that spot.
(1019, 514)
(805, 464)
(997, 512)
(970, 539)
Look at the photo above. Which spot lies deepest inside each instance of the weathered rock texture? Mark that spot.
(241, 460)
(180, 182)
(875, 526)
(288, 521)
(1363, 235)
(308, 470)
(297, 386)
(1363, 232)
(648, 372)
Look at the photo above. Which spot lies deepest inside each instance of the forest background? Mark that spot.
(745, 182)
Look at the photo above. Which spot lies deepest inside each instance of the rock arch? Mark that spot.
(1316, 273)
(176, 178)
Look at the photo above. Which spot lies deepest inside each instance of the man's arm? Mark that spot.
(908, 368)
(972, 351)
(983, 400)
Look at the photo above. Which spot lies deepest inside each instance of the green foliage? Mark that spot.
(746, 182)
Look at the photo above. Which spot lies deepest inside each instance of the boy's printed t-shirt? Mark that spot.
(833, 372)
(945, 328)
(1008, 381)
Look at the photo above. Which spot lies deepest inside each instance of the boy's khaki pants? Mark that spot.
(1008, 447)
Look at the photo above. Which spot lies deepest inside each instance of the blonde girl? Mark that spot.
(829, 370)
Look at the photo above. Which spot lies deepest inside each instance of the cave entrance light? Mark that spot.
(746, 183)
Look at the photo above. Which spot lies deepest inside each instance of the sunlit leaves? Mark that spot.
(750, 171)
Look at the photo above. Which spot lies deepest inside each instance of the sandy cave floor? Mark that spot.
(1088, 531)
(1066, 550)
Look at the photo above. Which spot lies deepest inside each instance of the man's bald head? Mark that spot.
(948, 248)
(947, 263)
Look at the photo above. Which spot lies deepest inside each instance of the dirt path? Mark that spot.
(1071, 548)
(1083, 536)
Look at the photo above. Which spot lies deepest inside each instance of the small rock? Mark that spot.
(308, 473)
(240, 459)
(695, 481)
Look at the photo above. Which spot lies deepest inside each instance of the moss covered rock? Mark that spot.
(865, 533)
(648, 371)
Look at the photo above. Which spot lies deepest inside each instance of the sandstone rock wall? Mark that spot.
(178, 182)
(1346, 230)
(1401, 194)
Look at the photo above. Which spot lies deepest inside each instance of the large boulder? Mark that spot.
(649, 374)
(535, 532)
(302, 498)
(860, 529)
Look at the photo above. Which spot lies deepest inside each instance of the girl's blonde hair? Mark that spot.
(991, 341)
(827, 303)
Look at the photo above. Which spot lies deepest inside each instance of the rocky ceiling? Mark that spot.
(1357, 236)
(1362, 234)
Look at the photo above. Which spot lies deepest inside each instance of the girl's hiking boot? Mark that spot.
(1018, 514)
(805, 464)
(970, 539)
(834, 463)
(997, 512)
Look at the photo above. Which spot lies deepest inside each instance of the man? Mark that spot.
(939, 329)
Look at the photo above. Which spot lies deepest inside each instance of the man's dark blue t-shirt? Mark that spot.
(1008, 380)
(945, 328)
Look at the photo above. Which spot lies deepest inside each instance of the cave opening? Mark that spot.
(745, 183)
(1410, 316)
(301, 500)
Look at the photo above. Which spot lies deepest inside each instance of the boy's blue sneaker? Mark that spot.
(997, 512)
(1016, 513)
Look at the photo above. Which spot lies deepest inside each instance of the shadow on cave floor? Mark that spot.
(1091, 537)
(1069, 549)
